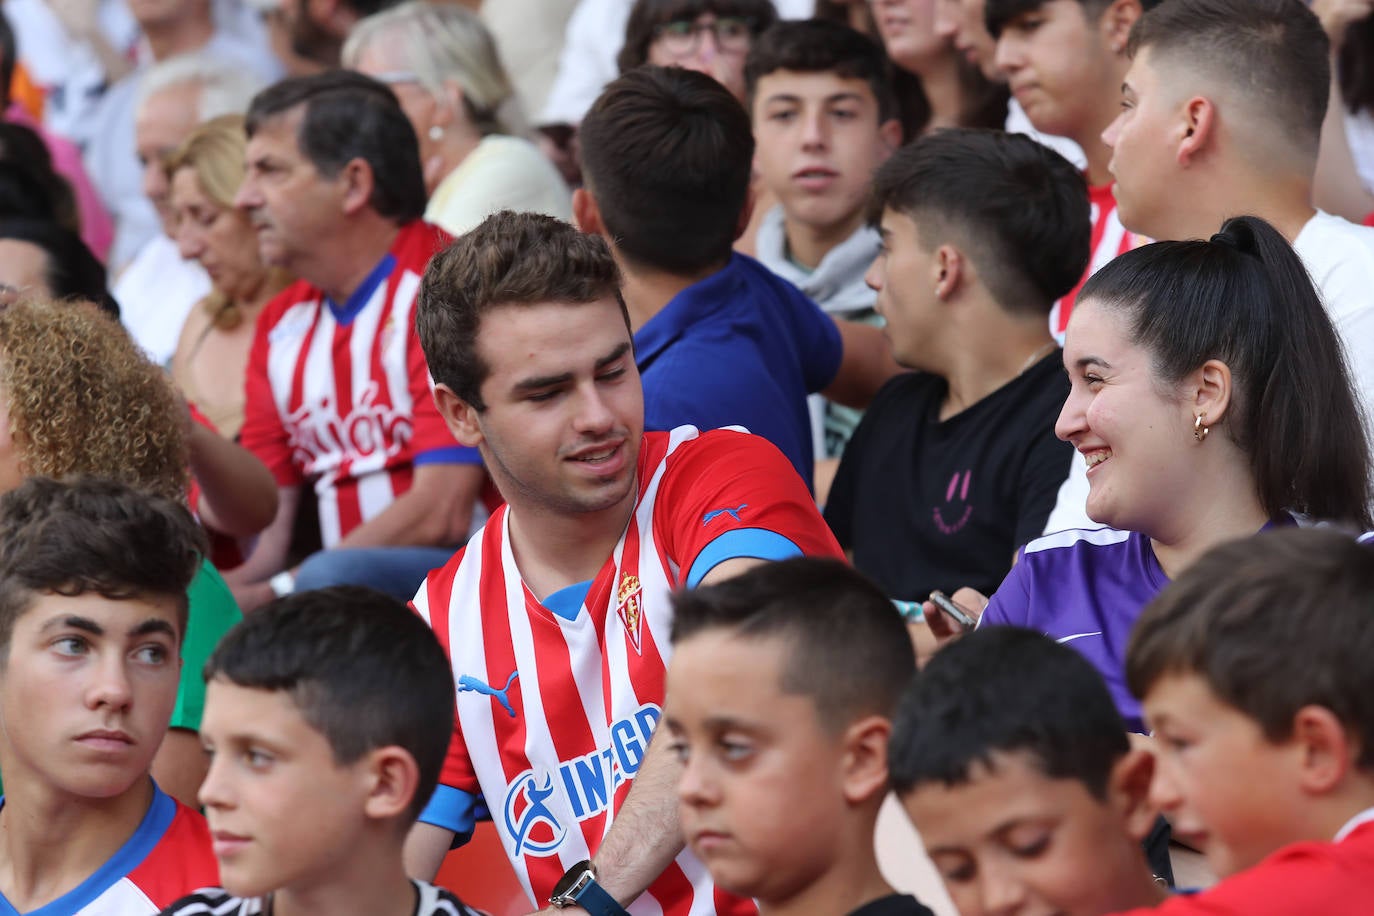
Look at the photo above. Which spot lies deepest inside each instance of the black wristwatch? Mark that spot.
(578, 887)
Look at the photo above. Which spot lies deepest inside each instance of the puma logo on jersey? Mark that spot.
(470, 683)
(733, 513)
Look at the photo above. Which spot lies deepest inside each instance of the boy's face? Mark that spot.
(818, 141)
(283, 813)
(87, 691)
(1013, 840)
(1144, 139)
(760, 792)
(905, 274)
(1061, 67)
(565, 409)
(1212, 761)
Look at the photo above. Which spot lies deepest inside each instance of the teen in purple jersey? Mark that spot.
(1210, 398)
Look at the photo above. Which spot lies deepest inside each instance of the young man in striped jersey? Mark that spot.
(556, 615)
(93, 578)
(337, 388)
(326, 720)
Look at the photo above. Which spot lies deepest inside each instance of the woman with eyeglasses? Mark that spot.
(441, 62)
(710, 36)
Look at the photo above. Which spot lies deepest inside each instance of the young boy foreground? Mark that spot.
(778, 703)
(93, 578)
(327, 717)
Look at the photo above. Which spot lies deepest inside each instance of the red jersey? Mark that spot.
(340, 395)
(1109, 239)
(1333, 879)
(556, 707)
(168, 856)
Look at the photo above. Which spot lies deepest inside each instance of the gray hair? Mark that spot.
(224, 87)
(442, 41)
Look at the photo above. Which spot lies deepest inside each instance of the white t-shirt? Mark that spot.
(1018, 122)
(156, 293)
(502, 173)
(595, 35)
(1340, 257)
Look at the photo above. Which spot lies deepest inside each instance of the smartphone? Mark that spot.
(947, 604)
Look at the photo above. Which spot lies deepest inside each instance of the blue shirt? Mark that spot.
(740, 348)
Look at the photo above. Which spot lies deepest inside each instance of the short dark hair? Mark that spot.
(1019, 209)
(90, 534)
(1246, 299)
(31, 187)
(71, 270)
(1006, 690)
(9, 51)
(1272, 623)
(1275, 52)
(847, 647)
(349, 116)
(822, 46)
(667, 153)
(647, 15)
(510, 259)
(997, 13)
(363, 669)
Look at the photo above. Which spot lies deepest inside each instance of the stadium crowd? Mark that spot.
(660, 439)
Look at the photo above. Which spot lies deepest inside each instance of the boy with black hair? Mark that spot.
(779, 700)
(956, 465)
(1253, 667)
(1009, 756)
(719, 339)
(93, 579)
(327, 719)
(825, 116)
(1064, 61)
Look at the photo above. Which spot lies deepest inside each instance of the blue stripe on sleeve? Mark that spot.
(452, 454)
(756, 543)
(453, 809)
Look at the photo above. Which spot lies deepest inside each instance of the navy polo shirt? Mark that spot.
(741, 348)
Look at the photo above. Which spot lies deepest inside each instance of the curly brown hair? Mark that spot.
(83, 399)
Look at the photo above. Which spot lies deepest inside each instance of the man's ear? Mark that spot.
(950, 267)
(864, 762)
(1196, 128)
(1326, 750)
(1117, 21)
(891, 133)
(358, 182)
(1128, 792)
(460, 417)
(393, 777)
(587, 213)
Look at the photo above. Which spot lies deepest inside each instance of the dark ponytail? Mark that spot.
(1245, 298)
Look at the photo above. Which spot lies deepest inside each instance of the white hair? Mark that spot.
(225, 88)
(443, 41)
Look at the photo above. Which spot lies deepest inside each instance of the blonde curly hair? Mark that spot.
(83, 399)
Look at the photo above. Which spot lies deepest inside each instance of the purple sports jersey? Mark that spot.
(1084, 587)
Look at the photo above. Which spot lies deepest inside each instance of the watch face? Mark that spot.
(571, 880)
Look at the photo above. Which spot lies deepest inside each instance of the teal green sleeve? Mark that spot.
(213, 612)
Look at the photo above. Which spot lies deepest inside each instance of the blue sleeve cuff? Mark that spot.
(453, 454)
(453, 809)
(756, 543)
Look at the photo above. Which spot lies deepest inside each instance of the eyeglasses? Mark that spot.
(682, 37)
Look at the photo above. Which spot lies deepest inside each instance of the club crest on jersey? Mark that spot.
(630, 608)
(530, 822)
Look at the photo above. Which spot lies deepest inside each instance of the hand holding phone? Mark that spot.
(956, 611)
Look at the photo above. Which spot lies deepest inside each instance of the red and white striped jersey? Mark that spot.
(340, 395)
(1109, 239)
(554, 714)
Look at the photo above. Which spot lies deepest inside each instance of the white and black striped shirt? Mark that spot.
(215, 901)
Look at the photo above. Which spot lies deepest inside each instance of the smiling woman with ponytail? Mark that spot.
(1210, 399)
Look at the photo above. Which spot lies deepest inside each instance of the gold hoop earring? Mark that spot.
(1199, 431)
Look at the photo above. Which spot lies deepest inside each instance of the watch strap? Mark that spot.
(595, 900)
